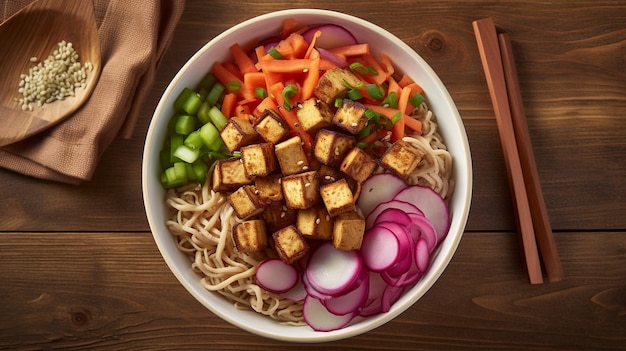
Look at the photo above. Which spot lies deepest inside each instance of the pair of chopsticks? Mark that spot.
(533, 224)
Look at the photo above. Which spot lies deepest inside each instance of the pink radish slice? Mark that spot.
(276, 276)
(331, 271)
(422, 255)
(380, 248)
(402, 235)
(390, 296)
(421, 227)
(351, 302)
(431, 203)
(319, 318)
(332, 36)
(378, 188)
(334, 58)
(311, 291)
(394, 215)
(297, 293)
(373, 303)
(400, 205)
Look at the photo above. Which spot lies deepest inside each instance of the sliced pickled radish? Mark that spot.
(331, 271)
(319, 318)
(276, 276)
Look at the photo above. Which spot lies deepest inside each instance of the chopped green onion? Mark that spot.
(203, 112)
(367, 130)
(370, 114)
(350, 86)
(211, 137)
(188, 101)
(396, 117)
(362, 145)
(289, 91)
(338, 102)
(354, 94)
(185, 124)
(187, 154)
(194, 140)
(233, 86)
(275, 53)
(260, 92)
(217, 118)
(391, 100)
(359, 68)
(237, 153)
(215, 93)
(375, 91)
(207, 81)
(416, 99)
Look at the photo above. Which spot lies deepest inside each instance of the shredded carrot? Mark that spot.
(298, 44)
(393, 86)
(242, 111)
(311, 48)
(223, 75)
(276, 91)
(385, 62)
(352, 50)
(412, 123)
(397, 131)
(370, 61)
(403, 100)
(228, 104)
(242, 60)
(415, 88)
(325, 65)
(260, 52)
(405, 80)
(266, 104)
(289, 26)
(254, 80)
(311, 79)
(286, 66)
(232, 68)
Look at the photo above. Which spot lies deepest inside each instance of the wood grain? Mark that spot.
(79, 269)
(113, 291)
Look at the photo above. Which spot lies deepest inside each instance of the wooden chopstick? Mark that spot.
(541, 222)
(489, 50)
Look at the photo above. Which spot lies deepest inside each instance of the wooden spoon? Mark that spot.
(35, 31)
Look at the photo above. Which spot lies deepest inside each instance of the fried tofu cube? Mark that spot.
(291, 156)
(348, 230)
(245, 202)
(334, 84)
(358, 165)
(258, 159)
(329, 174)
(269, 188)
(337, 197)
(229, 175)
(315, 223)
(351, 116)
(331, 147)
(290, 244)
(314, 114)
(277, 216)
(301, 190)
(250, 236)
(271, 127)
(238, 132)
(401, 158)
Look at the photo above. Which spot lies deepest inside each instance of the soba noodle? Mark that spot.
(202, 220)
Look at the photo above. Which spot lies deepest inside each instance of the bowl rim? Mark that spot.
(463, 188)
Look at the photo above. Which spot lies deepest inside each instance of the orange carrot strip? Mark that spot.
(403, 100)
(223, 75)
(266, 104)
(397, 130)
(412, 123)
(242, 111)
(370, 61)
(415, 88)
(298, 44)
(405, 80)
(325, 65)
(286, 66)
(393, 86)
(289, 26)
(242, 60)
(254, 80)
(385, 62)
(352, 50)
(311, 79)
(229, 66)
(260, 51)
(228, 105)
(311, 47)
(290, 116)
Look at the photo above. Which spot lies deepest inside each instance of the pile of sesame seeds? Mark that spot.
(55, 78)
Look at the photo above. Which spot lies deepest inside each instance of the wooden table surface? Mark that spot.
(79, 268)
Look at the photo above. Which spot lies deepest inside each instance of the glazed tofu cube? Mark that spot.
(401, 158)
(329, 174)
(250, 236)
(258, 159)
(314, 114)
(301, 190)
(291, 156)
(334, 84)
(290, 244)
(348, 230)
(271, 127)
(351, 116)
(245, 202)
(277, 216)
(229, 175)
(358, 165)
(330, 147)
(337, 197)
(315, 223)
(238, 132)
(268, 188)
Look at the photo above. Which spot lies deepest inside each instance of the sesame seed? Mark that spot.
(317, 221)
(354, 124)
(304, 168)
(283, 214)
(300, 162)
(307, 185)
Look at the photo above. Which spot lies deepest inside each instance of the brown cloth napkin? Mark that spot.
(134, 35)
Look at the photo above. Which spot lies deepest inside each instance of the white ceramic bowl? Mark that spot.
(405, 59)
